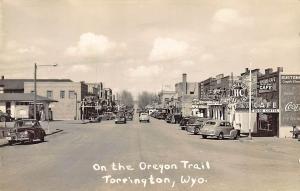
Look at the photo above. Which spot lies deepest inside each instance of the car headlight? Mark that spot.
(25, 132)
(8, 133)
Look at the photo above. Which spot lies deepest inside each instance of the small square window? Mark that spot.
(62, 94)
(49, 94)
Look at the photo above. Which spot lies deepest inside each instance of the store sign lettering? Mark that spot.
(292, 107)
(239, 91)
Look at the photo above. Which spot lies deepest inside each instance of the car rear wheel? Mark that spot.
(2, 119)
(204, 136)
(196, 131)
(221, 136)
(10, 142)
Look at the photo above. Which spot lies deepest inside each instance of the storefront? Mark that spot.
(266, 105)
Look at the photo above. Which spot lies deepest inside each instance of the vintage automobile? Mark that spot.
(95, 119)
(176, 118)
(144, 117)
(129, 116)
(108, 116)
(26, 130)
(220, 129)
(195, 125)
(168, 118)
(184, 122)
(161, 116)
(120, 118)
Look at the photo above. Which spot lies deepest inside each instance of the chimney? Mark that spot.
(246, 70)
(279, 69)
(184, 84)
(2, 77)
(268, 71)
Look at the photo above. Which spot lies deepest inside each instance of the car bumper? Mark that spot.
(12, 138)
(208, 134)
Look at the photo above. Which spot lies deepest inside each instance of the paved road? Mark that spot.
(65, 161)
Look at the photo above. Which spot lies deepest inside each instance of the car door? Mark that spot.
(227, 128)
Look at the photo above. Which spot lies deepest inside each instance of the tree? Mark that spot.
(146, 98)
(126, 98)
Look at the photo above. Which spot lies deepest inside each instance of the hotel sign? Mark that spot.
(239, 92)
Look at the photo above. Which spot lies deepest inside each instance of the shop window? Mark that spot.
(62, 94)
(49, 94)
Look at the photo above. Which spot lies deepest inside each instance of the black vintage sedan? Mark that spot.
(26, 130)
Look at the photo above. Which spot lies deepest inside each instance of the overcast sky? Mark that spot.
(143, 44)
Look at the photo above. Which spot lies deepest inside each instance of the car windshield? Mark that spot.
(192, 120)
(144, 114)
(210, 123)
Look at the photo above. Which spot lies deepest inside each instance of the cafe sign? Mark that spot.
(267, 85)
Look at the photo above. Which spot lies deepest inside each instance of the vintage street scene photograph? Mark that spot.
(154, 95)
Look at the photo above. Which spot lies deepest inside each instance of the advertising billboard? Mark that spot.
(290, 100)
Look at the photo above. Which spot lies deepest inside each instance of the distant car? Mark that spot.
(144, 117)
(190, 120)
(129, 116)
(108, 116)
(168, 118)
(4, 117)
(220, 129)
(195, 125)
(176, 118)
(161, 116)
(26, 130)
(95, 119)
(183, 122)
(120, 118)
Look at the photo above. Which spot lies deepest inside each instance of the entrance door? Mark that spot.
(267, 124)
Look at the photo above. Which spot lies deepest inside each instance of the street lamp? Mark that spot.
(35, 71)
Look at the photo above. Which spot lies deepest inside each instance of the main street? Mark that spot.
(65, 161)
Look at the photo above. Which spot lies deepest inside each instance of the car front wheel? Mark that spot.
(196, 131)
(204, 136)
(221, 136)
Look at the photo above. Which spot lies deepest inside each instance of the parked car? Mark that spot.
(220, 129)
(195, 125)
(161, 116)
(4, 117)
(120, 118)
(144, 117)
(176, 118)
(26, 130)
(191, 120)
(168, 118)
(129, 116)
(95, 119)
(184, 122)
(108, 116)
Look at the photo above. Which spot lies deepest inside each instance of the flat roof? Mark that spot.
(23, 97)
(18, 84)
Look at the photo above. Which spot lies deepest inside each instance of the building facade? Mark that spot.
(67, 93)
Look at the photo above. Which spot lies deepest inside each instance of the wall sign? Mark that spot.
(267, 85)
(290, 100)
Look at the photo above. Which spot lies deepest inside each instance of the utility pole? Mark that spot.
(34, 102)
(250, 92)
